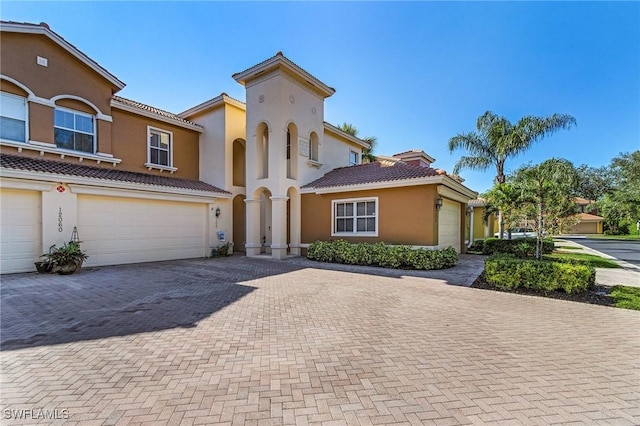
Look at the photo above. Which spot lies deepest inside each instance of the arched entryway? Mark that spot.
(293, 221)
(239, 162)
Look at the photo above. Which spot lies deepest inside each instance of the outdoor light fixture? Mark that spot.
(439, 203)
(217, 211)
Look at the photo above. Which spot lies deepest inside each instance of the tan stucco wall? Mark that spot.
(64, 75)
(9, 87)
(129, 142)
(406, 215)
(40, 123)
(478, 223)
(586, 228)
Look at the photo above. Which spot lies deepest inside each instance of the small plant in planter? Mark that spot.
(65, 259)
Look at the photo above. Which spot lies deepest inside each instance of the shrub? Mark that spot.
(509, 273)
(380, 254)
(521, 247)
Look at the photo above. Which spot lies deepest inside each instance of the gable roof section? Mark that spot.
(586, 217)
(31, 164)
(152, 112)
(280, 62)
(372, 173)
(43, 29)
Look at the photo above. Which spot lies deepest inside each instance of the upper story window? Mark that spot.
(355, 217)
(74, 130)
(354, 158)
(313, 147)
(160, 147)
(13, 117)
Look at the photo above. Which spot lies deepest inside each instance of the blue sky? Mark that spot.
(412, 74)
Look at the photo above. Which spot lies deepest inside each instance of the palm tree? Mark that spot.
(371, 140)
(497, 139)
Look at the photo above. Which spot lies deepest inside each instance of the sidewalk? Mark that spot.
(628, 274)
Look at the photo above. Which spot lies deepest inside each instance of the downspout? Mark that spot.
(471, 228)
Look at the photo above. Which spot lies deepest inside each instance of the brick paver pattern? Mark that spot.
(260, 342)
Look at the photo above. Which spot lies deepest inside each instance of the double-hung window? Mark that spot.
(160, 147)
(357, 217)
(354, 158)
(74, 130)
(13, 118)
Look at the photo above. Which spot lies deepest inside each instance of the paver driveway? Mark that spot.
(249, 341)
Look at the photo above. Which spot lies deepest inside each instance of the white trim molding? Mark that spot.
(8, 183)
(216, 102)
(45, 147)
(149, 165)
(99, 114)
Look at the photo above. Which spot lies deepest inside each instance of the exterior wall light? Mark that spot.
(217, 212)
(439, 203)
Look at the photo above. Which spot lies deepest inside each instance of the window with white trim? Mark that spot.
(13, 117)
(354, 158)
(74, 130)
(355, 217)
(160, 149)
(313, 147)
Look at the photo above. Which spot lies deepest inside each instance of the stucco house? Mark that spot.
(143, 184)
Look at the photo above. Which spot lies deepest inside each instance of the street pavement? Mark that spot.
(262, 342)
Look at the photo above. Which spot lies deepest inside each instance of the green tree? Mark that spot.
(550, 187)
(367, 154)
(621, 207)
(594, 182)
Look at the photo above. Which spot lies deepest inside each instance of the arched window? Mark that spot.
(74, 130)
(262, 151)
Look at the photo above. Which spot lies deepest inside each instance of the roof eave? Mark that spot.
(213, 103)
(335, 130)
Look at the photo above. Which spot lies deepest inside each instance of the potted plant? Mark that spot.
(65, 259)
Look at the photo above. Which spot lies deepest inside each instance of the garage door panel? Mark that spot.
(20, 230)
(141, 230)
(449, 225)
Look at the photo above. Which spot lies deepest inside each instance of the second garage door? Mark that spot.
(20, 230)
(449, 225)
(125, 230)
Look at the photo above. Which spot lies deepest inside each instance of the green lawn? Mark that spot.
(626, 297)
(593, 260)
(616, 237)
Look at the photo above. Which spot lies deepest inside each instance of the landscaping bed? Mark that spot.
(617, 296)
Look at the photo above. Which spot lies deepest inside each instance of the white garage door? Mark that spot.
(21, 225)
(449, 225)
(125, 230)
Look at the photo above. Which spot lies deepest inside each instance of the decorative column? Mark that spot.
(253, 227)
(279, 226)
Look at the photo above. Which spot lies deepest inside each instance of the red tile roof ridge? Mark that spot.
(20, 162)
(371, 173)
(152, 109)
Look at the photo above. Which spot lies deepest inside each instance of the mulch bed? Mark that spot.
(599, 295)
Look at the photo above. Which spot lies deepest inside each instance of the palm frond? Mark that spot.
(472, 163)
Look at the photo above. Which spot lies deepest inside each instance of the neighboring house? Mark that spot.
(142, 184)
(480, 228)
(588, 220)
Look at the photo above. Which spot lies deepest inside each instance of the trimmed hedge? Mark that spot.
(381, 254)
(520, 247)
(509, 273)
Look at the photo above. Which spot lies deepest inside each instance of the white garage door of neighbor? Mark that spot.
(449, 225)
(126, 230)
(20, 230)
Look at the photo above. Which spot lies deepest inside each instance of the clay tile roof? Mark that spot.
(16, 162)
(478, 202)
(582, 201)
(151, 109)
(371, 173)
